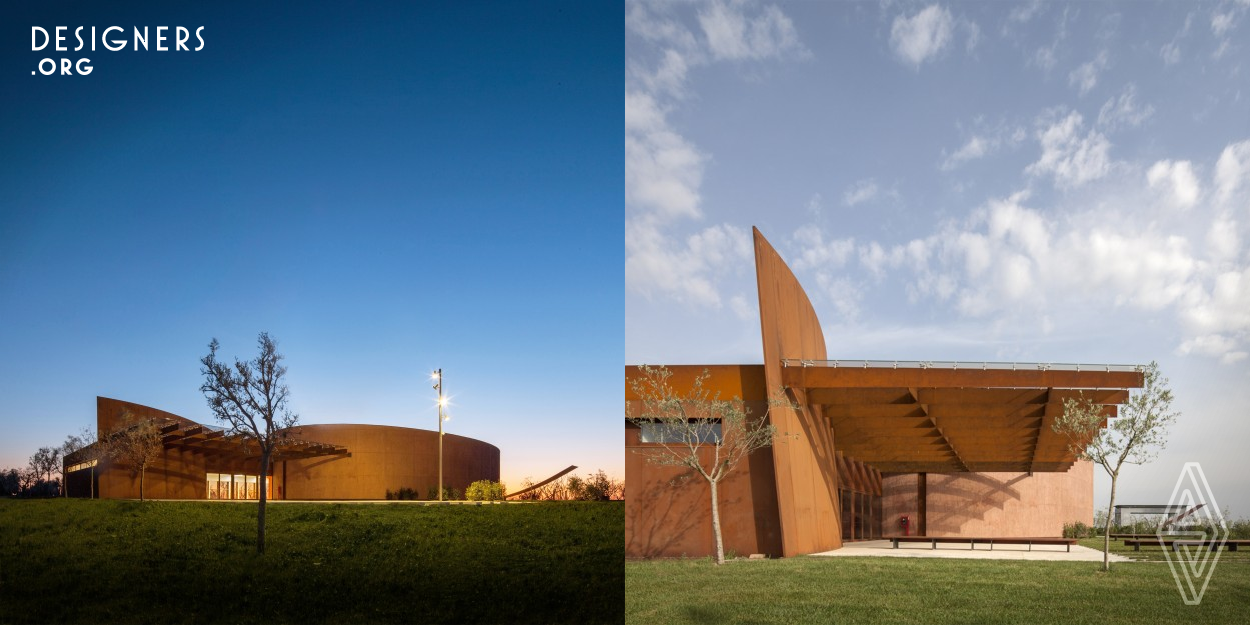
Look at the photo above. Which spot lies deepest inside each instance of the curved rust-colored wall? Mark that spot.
(383, 457)
(805, 464)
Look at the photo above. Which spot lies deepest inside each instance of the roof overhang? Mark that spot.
(952, 417)
(199, 438)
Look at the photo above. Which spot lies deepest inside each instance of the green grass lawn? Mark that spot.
(923, 590)
(1154, 553)
(186, 562)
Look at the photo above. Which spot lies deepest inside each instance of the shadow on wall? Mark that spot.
(965, 497)
(665, 519)
(953, 500)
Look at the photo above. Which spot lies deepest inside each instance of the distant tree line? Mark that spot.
(597, 486)
(43, 474)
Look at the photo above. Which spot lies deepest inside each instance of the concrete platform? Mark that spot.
(955, 550)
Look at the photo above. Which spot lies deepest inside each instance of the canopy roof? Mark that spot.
(947, 417)
(186, 434)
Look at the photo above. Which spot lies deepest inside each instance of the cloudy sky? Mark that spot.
(975, 181)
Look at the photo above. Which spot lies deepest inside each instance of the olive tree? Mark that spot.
(683, 429)
(1133, 437)
(136, 442)
(250, 397)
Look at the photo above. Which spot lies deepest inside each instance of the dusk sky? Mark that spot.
(1031, 182)
(385, 191)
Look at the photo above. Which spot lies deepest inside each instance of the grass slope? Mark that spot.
(187, 562)
(919, 590)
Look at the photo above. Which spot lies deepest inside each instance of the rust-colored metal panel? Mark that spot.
(668, 509)
(386, 458)
(746, 382)
(804, 460)
(993, 504)
(381, 458)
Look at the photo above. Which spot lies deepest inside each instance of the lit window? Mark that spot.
(669, 433)
(80, 466)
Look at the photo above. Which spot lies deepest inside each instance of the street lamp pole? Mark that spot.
(438, 385)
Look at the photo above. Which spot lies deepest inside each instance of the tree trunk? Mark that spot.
(260, 516)
(142, 472)
(92, 485)
(1106, 534)
(720, 545)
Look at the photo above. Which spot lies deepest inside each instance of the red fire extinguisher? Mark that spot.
(903, 522)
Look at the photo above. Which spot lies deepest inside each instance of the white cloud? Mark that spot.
(843, 293)
(732, 34)
(1219, 53)
(816, 253)
(1221, 23)
(922, 36)
(1123, 111)
(1111, 248)
(974, 34)
(1224, 308)
(985, 140)
(1177, 179)
(877, 260)
(1085, 77)
(688, 271)
(669, 78)
(1022, 13)
(1223, 242)
(1232, 170)
(975, 148)
(1212, 345)
(742, 308)
(1045, 58)
(1224, 22)
(662, 31)
(663, 171)
(1072, 157)
(815, 204)
(860, 192)
(1171, 53)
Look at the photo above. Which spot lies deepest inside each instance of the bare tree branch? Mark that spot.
(252, 401)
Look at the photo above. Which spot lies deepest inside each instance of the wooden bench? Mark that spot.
(1176, 542)
(990, 540)
(1131, 536)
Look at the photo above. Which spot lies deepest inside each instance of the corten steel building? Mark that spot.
(342, 461)
(958, 448)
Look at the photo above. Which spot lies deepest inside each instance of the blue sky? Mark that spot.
(1040, 182)
(385, 190)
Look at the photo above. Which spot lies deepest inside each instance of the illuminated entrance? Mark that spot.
(236, 486)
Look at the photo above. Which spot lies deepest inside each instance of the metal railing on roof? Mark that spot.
(956, 365)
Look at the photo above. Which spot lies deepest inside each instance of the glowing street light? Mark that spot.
(437, 377)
